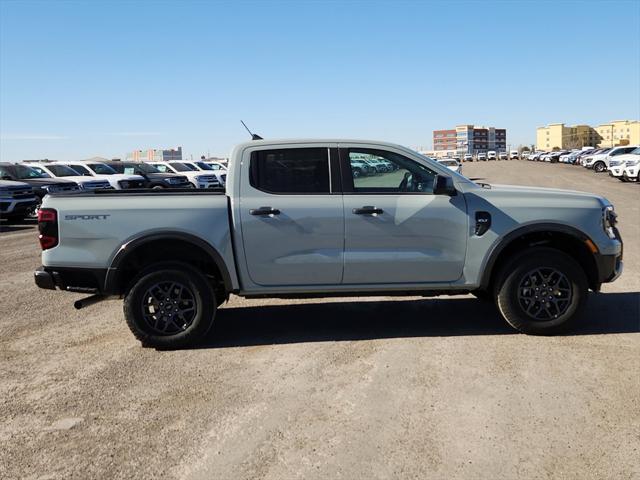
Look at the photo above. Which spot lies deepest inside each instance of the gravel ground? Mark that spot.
(344, 388)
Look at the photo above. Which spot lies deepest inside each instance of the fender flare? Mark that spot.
(505, 241)
(110, 282)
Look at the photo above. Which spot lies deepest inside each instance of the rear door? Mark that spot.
(396, 229)
(291, 215)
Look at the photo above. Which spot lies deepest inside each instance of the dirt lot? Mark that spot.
(345, 388)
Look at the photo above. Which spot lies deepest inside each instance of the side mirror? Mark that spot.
(443, 186)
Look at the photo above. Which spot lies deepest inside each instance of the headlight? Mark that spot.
(609, 220)
(172, 181)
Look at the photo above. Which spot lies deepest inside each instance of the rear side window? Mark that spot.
(291, 170)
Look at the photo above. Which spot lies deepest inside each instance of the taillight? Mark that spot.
(48, 228)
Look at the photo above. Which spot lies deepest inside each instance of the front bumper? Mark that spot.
(610, 266)
(11, 207)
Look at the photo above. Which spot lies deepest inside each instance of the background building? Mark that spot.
(155, 155)
(560, 136)
(469, 139)
(619, 132)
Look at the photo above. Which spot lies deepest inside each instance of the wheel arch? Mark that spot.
(149, 248)
(565, 238)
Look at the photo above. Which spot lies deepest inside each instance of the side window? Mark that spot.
(162, 168)
(379, 171)
(290, 170)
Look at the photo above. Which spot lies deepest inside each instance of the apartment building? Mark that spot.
(561, 136)
(619, 132)
(156, 155)
(469, 139)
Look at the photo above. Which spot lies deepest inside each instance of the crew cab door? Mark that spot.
(291, 215)
(396, 229)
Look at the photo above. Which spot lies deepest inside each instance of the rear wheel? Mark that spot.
(171, 305)
(541, 291)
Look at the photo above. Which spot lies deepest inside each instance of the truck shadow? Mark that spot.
(348, 321)
(7, 225)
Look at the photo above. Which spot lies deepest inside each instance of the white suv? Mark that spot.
(221, 174)
(197, 177)
(618, 165)
(491, 155)
(100, 171)
(59, 170)
(600, 162)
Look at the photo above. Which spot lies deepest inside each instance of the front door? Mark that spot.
(291, 216)
(396, 229)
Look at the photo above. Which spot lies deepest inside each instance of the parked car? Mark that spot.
(600, 162)
(618, 164)
(58, 170)
(452, 164)
(554, 157)
(513, 155)
(491, 155)
(503, 156)
(101, 171)
(287, 226)
(41, 183)
(17, 200)
(468, 157)
(198, 178)
(585, 157)
(361, 168)
(378, 165)
(153, 178)
(482, 157)
(220, 174)
(535, 156)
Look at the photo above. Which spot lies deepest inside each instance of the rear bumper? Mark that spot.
(84, 280)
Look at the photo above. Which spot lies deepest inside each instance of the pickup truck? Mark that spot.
(296, 222)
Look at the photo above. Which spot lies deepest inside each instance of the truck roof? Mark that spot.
(288, 141)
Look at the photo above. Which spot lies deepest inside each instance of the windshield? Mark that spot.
(101, 169)
(203, 166)
(23, 172)
(182, 167)
(62, 171)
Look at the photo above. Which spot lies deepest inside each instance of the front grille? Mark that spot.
(21, 193)
(96, 185)
(208, 179)
(63, 188)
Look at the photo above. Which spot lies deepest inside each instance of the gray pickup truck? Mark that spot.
(296, 222)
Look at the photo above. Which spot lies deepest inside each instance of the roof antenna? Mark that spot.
(253, 135)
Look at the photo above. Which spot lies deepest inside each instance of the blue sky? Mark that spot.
(79, 79)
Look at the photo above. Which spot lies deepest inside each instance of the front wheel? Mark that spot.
(541, 291)
(599, 167)
(170, 305)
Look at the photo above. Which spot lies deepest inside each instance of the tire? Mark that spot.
(191, 292)
(515, 292)
(356, 172)
(599, 167)
(158, 187)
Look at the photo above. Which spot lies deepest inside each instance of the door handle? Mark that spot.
(264, 211)
(367, 210)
